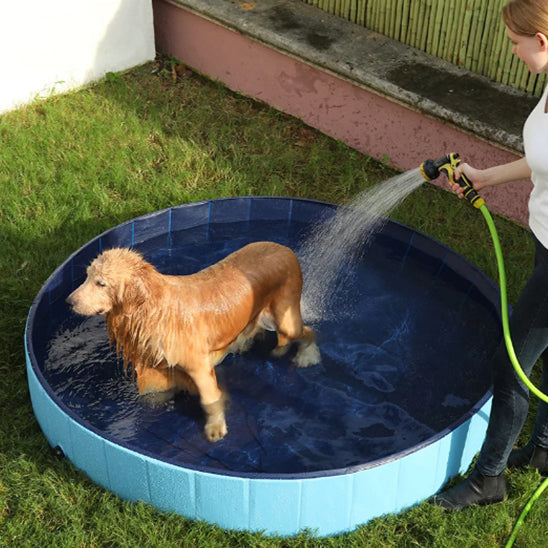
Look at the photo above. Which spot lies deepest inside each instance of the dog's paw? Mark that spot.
(215, 430)
(307, 355)
(215, 426)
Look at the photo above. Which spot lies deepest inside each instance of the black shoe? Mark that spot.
(476, 489)
(520, 458)
(531, 455)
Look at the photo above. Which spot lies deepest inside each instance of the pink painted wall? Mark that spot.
(377, 126)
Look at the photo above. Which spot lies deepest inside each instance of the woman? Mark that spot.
(527, 27)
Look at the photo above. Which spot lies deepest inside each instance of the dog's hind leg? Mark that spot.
(308, 352)
(290, 329)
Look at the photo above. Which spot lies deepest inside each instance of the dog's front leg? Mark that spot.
(212, 401)
(215, 427)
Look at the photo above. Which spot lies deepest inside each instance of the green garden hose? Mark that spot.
(504, 307)
(430, 169)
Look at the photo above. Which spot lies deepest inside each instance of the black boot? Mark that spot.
(476, 489)
(531, 455)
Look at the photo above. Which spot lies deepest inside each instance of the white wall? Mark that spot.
(51, 46)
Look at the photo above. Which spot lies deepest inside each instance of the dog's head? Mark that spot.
(116, 281)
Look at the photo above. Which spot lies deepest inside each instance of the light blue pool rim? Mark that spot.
(327, 502)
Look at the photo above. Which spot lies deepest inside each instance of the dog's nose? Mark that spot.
(70, 300)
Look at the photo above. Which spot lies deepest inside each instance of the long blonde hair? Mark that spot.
(526, 17)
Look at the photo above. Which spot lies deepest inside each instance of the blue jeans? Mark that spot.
(529, 333)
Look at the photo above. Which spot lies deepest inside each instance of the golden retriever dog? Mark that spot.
(174, 330)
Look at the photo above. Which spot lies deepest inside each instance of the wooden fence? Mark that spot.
(467, 33)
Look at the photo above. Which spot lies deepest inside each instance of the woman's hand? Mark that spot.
(475, 176)
(496, 175)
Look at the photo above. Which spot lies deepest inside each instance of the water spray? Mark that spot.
(430, 170)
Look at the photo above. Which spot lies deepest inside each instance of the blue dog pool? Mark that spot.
(398, 405)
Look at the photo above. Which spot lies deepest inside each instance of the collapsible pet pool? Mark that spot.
(398, 405)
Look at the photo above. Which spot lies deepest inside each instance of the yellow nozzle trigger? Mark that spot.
(469, 192)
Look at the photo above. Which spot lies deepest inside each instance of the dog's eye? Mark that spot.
(100, 283)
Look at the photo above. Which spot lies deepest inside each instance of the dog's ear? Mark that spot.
(132, 294)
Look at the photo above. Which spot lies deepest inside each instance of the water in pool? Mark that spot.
(382, 386)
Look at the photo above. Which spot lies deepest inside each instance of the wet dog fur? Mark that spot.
(174, 330)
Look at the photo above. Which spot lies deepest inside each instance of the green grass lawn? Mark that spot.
(78, 164)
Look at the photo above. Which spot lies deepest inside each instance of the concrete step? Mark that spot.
(387, 100)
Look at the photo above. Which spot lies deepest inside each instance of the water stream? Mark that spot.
(334, 246)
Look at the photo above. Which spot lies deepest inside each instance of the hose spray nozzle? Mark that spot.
(431, 169)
